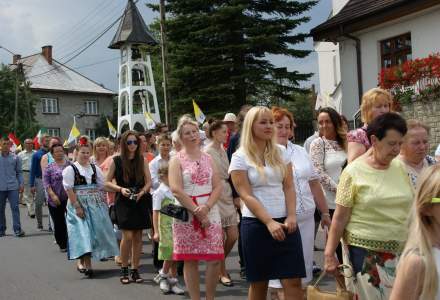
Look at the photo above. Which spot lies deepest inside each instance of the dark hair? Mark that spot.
(131, 168)
(335, 118)
(215, 125)
(388, 121)
(159, 127)
(242, 114)
(52, 149)
(345, 120)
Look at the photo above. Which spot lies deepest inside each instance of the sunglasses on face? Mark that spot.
(132, 142)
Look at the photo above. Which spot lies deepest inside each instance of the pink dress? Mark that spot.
(359, 136)
(190, 240)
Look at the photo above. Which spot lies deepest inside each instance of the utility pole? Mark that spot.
(164, 61)
(17, 82)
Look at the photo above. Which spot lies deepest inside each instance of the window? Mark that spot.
(53, 131)
(91, 107)
(396, 50)
(91, 133)
(50, 105)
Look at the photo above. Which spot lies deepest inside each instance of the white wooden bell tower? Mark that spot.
(137, 92)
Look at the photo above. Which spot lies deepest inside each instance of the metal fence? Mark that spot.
(302, 131)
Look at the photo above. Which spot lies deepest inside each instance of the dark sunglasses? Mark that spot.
(132, 142)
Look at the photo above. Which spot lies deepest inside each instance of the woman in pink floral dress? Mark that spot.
(197, 186)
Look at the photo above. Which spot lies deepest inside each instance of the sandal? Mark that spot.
(135, 277)
(124, 276)
(226, 281)
(81, 269)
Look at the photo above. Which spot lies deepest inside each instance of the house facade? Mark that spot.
(370, 35)
(64, 95)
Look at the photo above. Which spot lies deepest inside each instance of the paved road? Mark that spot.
(33, 268)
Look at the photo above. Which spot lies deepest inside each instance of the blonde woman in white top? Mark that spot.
(419, 266)
(262, 174)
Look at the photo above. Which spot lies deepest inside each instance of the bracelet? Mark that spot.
(120, 189)
(325, 214)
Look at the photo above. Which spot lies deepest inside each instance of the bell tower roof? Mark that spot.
(132, 29)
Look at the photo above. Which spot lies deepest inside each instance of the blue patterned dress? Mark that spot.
(94, 234)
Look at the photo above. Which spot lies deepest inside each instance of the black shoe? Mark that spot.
(32, 216)
(135, 277)
(40, 227)
(243, 274)
(316, 270)
(20, 234)
(88, 273)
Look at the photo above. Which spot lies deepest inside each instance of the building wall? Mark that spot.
(349, 86)
(424, 36)
(70, 104)
(329, 66)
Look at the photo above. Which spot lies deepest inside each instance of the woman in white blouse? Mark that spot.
(307, 187)
(262, 174)
(329, 152)
(90, 231)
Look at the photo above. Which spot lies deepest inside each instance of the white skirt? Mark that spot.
(306, 224)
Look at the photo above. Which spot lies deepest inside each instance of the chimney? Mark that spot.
(47, 53)
(15, 58)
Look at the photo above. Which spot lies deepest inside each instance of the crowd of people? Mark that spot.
(196, 192)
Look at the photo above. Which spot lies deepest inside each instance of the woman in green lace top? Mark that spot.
(373, 201)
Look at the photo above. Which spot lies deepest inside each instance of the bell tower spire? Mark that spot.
(137, 92)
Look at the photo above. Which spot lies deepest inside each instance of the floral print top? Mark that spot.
(359, 136)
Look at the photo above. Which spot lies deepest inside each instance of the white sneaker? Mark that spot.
(157, 278)
(164, 286)
(175, 287)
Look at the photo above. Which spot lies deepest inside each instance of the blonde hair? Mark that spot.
(163, 169)
(99, 141)
(185, 120)
(369, 99)
(419, 238)
(412, 124)
(272, 153)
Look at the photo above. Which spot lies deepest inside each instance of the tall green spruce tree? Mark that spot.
(218, 51)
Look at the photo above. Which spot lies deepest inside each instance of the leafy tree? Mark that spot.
(218, 51)
(26, 123)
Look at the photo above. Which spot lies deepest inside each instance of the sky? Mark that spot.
(27, 25)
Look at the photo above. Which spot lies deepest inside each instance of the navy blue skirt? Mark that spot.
(266, 258)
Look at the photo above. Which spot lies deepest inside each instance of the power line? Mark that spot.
(85, 48)
(80, 22)
(78, 35)
(96, 63)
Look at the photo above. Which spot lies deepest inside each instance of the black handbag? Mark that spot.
(175, 211)
(112, 214)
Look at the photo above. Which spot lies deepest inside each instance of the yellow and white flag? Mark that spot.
(151, 124)
(111, 129)
(200, 117)
(73, 135)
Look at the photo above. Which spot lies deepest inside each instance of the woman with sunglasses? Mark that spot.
(133, 181)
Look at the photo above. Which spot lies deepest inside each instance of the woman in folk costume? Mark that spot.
(90, 231)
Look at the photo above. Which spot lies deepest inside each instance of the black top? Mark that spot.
(80, 179)
(134, 182)
(132, 29)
